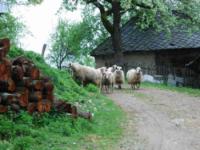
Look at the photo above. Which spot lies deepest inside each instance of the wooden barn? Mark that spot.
(157, 53)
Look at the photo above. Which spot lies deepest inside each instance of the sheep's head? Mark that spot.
(103, 70)
(119, 68)
(118, 71)
(114, 67)
(74, 67)
(138, 70)
(105, 75)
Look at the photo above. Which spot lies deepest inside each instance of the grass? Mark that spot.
(186, 90)
(59, 131)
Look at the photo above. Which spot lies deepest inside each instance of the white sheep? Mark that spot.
(107, 81)
(102, 69)
(119, 76)
(134, 77)
(113, 68)
(86, 74)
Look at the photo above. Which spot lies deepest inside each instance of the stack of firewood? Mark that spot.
(23, 87)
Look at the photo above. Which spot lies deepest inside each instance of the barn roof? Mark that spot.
(134, 39)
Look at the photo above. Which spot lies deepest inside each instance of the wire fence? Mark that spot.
(179, 76)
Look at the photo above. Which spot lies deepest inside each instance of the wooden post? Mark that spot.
(43, 50)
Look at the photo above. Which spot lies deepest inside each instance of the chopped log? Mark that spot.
(62, 106)
(86, 115)
(45, 78)
(3, 108)
(6, 98)
(25, 82)
(14, 100)
(17, 73)
(7, 86)
(48, 87)
(74, 112)
(35, 73)
(31, 71)
(35, 96)
(5, 67)
(44, 106)
(36, 85)
(21, 60)
(3, 86)
(31, 107)
(4, 47)
(15, 107)
(23, 97)
(5, 76)
(11, 85)
(27, 69)
(49, 96)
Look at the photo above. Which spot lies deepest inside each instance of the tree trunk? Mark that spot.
(116, 35)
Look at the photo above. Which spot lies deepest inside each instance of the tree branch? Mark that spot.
(104, 16)
(109, 12)
(109, 1)
(181, 14)
(142, 5)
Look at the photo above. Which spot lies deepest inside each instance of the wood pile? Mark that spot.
(23, 87)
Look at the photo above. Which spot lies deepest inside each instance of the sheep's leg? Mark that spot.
(112, 86)
(134, 86)
(138, 85)
(100, 87)
(105, 88)
(82, 83)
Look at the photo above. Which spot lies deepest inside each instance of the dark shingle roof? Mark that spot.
(134, 39)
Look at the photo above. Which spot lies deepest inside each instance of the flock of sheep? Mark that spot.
(105, 77)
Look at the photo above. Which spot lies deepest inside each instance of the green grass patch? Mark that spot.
(59, 131)
(186, 90)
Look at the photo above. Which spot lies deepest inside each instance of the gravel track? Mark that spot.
(158, 120)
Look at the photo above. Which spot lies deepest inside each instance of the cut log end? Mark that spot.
(31, 107)
(3, 108)
(44, 106)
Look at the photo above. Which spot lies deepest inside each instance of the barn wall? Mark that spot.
(103, 61)
(131, 59)
(144, 59)
(176, 58)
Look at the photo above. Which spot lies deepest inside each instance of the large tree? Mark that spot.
(159, 14)
(11, 27)
(72, 42)
(22, 2)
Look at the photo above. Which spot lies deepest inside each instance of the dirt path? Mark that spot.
(159, 120)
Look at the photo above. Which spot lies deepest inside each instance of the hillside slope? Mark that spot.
(59, 131)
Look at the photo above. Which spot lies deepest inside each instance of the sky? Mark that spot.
(41, 21)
